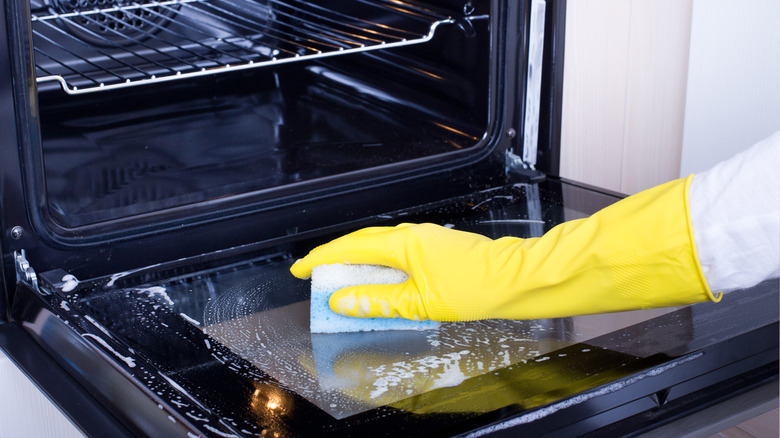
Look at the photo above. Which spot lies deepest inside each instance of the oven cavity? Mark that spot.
(97, 45)
(166, 111)
(108, 23)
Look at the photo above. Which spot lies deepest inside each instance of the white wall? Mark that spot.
(657, 89)
(625, 75)
(733, 97)
(25, 411)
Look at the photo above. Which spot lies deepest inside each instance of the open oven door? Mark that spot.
(151, 213)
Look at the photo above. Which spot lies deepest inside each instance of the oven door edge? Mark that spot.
(86, 382)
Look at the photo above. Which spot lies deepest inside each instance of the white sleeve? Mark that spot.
(735, 216)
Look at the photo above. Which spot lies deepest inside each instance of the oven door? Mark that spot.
(154, 298)
(219, 345)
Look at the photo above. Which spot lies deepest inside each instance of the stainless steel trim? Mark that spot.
(534, 83)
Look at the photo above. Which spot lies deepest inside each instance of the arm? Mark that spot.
(735, 212)
(637, 253)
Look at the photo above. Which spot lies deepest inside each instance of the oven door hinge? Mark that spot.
(515, 162)
(25, 272)
(516, 166)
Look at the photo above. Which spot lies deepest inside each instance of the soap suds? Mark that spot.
(347, 303)
(127, 360)
(451, 376)
(190, 319)
(157, 292)
(385, 306)
(219, 432)
(98, 325)
(69, 282)
(119, 275)
(403, 373)
(365, 306)
(116, 277)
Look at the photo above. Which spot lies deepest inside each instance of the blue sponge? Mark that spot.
(326, 279)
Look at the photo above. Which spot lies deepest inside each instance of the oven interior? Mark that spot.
(156, 106)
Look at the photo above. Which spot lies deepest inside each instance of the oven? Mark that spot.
(165, 162)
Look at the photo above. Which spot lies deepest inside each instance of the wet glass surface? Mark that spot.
(234, 337)
(347, 373)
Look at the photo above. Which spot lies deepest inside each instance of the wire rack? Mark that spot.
(136, 44)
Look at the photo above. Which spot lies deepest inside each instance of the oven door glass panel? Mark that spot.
(249, 319)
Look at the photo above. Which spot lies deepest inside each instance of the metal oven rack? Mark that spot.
(131, 44)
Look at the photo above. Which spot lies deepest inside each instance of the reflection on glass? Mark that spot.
(348, 373)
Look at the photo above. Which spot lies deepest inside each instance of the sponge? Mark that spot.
(326, 279)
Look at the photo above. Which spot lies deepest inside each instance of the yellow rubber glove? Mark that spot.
(637, 253)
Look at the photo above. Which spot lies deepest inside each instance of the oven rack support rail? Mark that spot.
(158, 41)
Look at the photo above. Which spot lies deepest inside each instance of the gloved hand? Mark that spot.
(638, 253)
